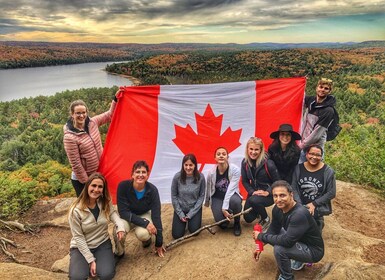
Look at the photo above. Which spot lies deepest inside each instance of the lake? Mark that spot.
(31, 82)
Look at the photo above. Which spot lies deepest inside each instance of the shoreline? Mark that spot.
(135, 81)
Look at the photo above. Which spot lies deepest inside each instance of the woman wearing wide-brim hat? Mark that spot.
(284, 150)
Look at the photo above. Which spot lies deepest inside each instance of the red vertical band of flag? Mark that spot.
(135, 122)
(277, 101)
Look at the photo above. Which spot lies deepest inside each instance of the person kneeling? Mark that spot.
(91, 252)
(139, 206)
(293, 232)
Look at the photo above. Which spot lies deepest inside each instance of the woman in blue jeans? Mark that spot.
(187, 194)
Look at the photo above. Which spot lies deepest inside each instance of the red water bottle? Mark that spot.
(258, 243)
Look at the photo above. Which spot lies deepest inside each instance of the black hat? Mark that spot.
(285, 128)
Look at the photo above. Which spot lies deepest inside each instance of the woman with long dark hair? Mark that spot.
(187, 194)
(222, 192)
(284, 151)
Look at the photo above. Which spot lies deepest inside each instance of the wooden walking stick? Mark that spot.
(208, 227)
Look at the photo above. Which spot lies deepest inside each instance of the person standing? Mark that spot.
(187, 195)
(318, 116)
(258, 173)
(293, 232)
(284, 150)
(82, 141)
(139, 206)
(222, 191)
(91, 251)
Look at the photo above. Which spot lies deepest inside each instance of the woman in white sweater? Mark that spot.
(222, 190)
(91, 250)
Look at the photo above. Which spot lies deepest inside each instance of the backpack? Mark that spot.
(334, 127)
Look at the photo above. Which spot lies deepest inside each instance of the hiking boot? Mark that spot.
(117, 258)
(237, 227)
(297, 265)
(265, 223)
(146, 243)
(119, 245)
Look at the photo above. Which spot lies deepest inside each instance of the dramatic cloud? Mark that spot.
(167, 20)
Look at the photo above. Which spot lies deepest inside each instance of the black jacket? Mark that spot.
(260, 179)
(299, 226)
(284, 161)
(130, 207)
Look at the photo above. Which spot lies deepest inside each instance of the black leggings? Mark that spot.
(258, 203)
(78, 187)
(179, 227)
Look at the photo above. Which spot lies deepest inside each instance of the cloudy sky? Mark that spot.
(209, 21)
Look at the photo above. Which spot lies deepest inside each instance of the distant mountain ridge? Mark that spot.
(192, 46)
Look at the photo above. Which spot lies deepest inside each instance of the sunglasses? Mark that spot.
(326, 80)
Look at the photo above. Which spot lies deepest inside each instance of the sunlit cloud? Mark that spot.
(146, 21)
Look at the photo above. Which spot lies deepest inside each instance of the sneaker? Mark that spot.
(280, 277)
(297, 265)
(265, 224)
(237, 229)
(146, 243)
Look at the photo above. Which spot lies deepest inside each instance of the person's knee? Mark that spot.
(106, 274)
(126, 226)
(194, 228)
(279, 251)
(235, 204)
(224, 225)
(78, 275)
(142, 234)
(177, 233)
(248, 218)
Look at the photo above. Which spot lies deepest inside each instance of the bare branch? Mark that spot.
(208, 227)
(30, 228)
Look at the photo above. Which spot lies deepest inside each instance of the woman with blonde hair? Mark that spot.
(258, 173)
(91, 252)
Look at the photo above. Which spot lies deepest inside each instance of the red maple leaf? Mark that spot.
(204, 143)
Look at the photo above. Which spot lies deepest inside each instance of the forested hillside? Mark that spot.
(33, 163)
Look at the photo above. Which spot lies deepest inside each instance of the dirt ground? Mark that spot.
(354, 237)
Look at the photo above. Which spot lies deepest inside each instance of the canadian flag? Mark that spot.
(160, 124)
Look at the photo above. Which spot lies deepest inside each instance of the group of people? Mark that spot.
(290, 175)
